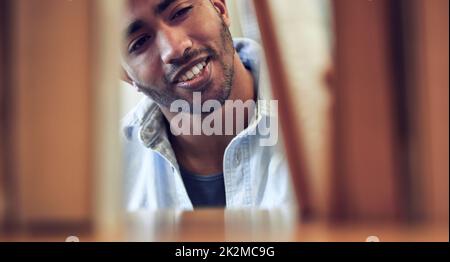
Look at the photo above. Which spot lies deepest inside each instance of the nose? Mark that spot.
(173, 44)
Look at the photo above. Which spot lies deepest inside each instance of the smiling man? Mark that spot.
(180, 50)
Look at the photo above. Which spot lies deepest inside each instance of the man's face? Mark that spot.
(174, 48)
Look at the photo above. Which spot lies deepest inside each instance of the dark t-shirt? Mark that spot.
(204, 191)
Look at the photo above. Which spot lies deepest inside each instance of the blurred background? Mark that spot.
(367, 84)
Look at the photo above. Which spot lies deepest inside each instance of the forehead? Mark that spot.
(145, 8)
(134, 9)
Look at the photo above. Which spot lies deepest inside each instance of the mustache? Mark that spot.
(188, 55)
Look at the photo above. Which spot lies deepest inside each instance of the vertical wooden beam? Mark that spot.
(431, 67)
(280, 89)
(106, 41)
(52, 113)
(3, 109)
(366, 172)
(8, 185)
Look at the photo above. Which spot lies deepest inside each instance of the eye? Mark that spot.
(138, 44)
(181, 13)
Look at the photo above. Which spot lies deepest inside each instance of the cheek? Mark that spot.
(147, 72)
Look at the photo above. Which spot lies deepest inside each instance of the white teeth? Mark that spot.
(195, 71)
(190, 74)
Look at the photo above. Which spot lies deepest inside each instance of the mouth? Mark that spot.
(195, 76)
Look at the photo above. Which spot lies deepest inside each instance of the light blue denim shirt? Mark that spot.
(255, 176)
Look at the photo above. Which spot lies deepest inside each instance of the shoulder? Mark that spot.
(249, 52)
(246, 45)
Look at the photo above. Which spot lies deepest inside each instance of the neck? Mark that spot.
(203, 154)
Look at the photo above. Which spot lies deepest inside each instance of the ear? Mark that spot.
(221, 8)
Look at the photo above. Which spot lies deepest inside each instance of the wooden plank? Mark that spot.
(3, 107)
(366, 172)
(280, 89)
(52, 112)
(431, 79)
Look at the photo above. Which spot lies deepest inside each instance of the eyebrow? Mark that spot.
(138, 24)
(133, 28)
(161, 7)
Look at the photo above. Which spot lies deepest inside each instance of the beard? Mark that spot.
(166, 96)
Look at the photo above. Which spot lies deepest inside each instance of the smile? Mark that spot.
(196, 77)
(193, 72)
